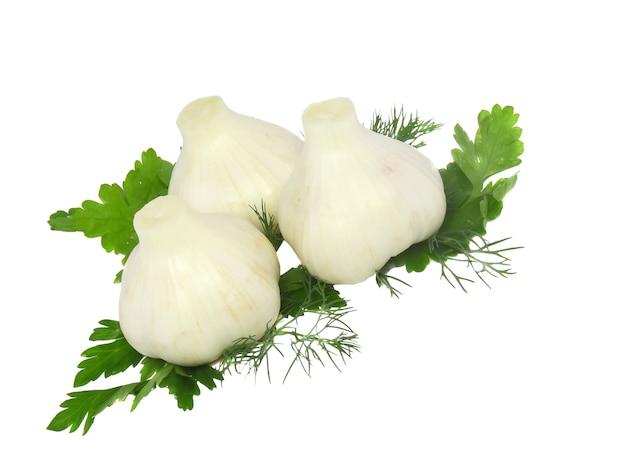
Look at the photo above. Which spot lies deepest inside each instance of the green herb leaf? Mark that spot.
(115, 357)
(472, 201)
(63, 222)
(300, 292)
(182, 382)
(153, 372)
(111, 219)
(495, 149)
(183, 386)
(206, 375)
(84, 406)
(109, 358)
(149, 180)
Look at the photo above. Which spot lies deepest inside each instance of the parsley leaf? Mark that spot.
(111, 219)
(182, 382)
(63, 222)
(85, 405)
(472, 200)
(183, 386)
(152, 373)
(115, 357)
(300, 292)
(496, 147)
(109, 358)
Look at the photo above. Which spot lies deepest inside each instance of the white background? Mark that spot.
(527, 374)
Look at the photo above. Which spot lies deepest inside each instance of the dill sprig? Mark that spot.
(482, 257)
(456, 254)
(403, 127)
(383, 279)
(311, 324)
(311, 321)
(269, 225)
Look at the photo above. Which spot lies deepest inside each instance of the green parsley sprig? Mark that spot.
(111, 219)
(114, 357)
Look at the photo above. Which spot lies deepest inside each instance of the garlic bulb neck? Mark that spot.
(160, 221)
(331, 122)
(204, 119)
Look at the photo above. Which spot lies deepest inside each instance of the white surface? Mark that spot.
(529, 374)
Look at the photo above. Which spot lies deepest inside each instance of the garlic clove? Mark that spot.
(230, 162)
(195, 283)
(356, 198)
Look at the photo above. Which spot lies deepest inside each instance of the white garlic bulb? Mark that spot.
(230, 162)
(195, 283)
(356, 198)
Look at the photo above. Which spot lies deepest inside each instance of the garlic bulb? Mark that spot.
(229, 162)
(195, 283)
(356, 198)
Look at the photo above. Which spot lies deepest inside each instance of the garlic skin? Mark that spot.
(356, 198)
(230, 162)
(195, 283)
